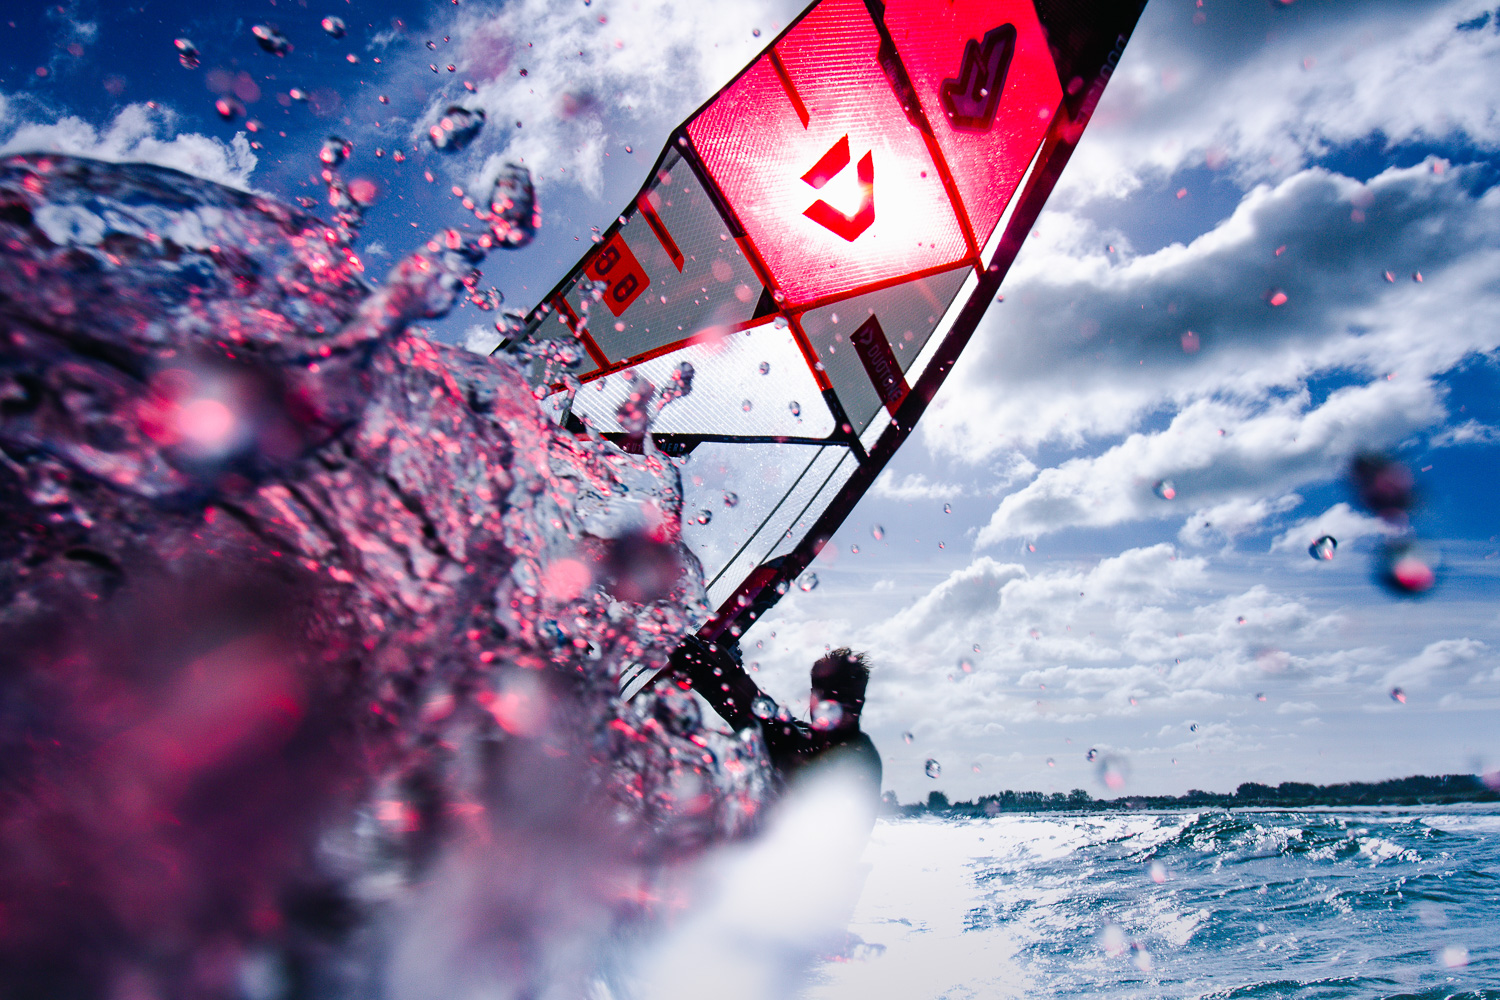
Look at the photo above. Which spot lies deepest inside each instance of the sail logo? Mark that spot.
(832, 163)
(971, 99)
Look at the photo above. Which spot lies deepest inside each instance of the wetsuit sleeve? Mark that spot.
(718, 676)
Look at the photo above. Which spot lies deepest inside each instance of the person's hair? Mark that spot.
(848, 676)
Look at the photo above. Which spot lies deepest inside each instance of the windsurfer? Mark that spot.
(832, 738)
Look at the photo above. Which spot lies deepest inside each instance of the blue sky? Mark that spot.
(1361, 138)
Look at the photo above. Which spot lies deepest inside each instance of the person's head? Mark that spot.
(842, 676)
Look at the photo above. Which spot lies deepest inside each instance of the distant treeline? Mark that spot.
(1416, 790)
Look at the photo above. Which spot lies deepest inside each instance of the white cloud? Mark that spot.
(1468, 432)
(481, 338)
(1232, 518)
(913, 487)
(1436, 662)
(1087, 348)
(137, 134)
(1258, 90)
(597, 77)
(1340, 521)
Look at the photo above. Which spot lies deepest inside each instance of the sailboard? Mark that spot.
(819, 241)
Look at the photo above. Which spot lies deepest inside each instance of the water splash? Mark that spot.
(308, 619)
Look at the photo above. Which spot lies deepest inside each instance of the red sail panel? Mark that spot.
(988, 88)
(850, 199)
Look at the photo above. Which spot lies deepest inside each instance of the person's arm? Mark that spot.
(716, 673)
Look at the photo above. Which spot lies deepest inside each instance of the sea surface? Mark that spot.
(1319, 903)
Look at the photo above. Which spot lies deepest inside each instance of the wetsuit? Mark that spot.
(719, 677)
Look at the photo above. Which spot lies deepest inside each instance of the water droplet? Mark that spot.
(1091, 756)
(1260, 696)
(456, 129)
(947, 508)
(1323, 548)
(795, 407)
(763, 707)
(1051, 762)
(809, 581)
(966, 665)
(335, 151)
(731, 499)
(704, 516)
(1385, 487)
(514, 213)
(1158, 872)
(747, 406)
(1398, 695)
(272, 40)
(877, 532)
(932, 767)
(187, 53)
(826, 715)
(1193, 728)
(1408, 567)
(1276, 297)
(1112, 772)
(334, 26)
(1165, 489)
(755, 32)
(854, 550)
(1191, 342)
(765, 367)
(976, 647)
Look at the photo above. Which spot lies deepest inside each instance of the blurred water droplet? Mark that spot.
(908, 737)
(1323, 548)
(272, 40)
(947, 508)
(1193, 728)
(854, 549)
(809, 581)
(334, 26)
(335, 151)
(755, 32)
(966, 665)
(1165, 489)
(1260, 696)
(976, 647)
(1386, 487)
(1158, 872)
(187, 54)
(877, 532)
(763, 707)
(1051, 762)
(456, 128)
(747, 406)
(731, 499)
(1398, 695)
(1408, 567)
(826, 715)
(515, 217)
(765, 367)
(1454, 957)
(1191, 342)
(1091, 756)
(1276, 297)
(1113, 772)
(795, 407)
(704, 516)
(932, 768)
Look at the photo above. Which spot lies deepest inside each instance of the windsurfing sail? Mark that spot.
(819, 241)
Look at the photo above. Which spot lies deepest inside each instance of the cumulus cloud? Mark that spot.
(1259, 90)
(137, 134)
(1340, 521)
(592, 82)
(913, 487)
(1088, 347)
